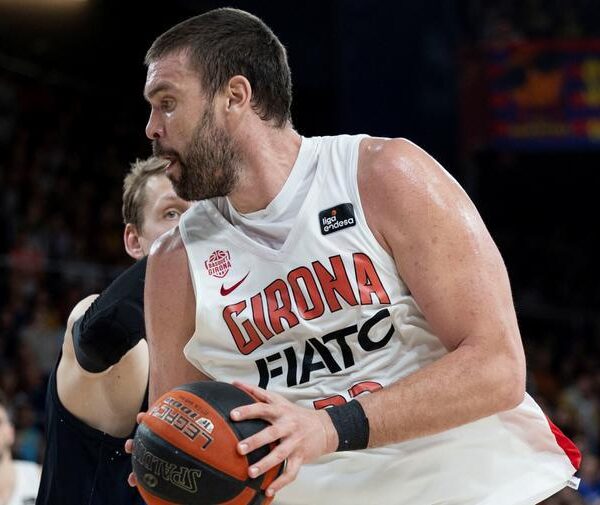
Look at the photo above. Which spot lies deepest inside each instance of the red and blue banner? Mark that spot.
(544, 94)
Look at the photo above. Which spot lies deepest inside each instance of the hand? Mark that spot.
(131, 480)
(303, 434)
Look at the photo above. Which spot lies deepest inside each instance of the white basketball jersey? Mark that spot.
(26, 484)
(326, 318)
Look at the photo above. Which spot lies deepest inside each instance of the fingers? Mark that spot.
(289, 474)
(291, 427)
(131, 480)
(277, 456)
(254, 411)
(129, 441)
(265, 408)
(259, 393)
(263, 437)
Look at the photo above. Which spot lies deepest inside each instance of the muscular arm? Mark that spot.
(107, 401)
(454, 271)
(420, 215)
(170, 315)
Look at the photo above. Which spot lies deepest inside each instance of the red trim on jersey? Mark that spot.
(566, 445)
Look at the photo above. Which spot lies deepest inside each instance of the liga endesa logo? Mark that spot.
(337, 218)
(218, 263)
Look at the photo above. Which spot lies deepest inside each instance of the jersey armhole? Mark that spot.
(355, 192)
(195, 336)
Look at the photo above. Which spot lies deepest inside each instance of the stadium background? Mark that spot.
(460, 78)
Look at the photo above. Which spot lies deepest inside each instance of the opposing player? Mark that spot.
(19, 480)
(100, 381)
(346, 272)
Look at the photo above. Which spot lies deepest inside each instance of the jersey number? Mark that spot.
(353, 392)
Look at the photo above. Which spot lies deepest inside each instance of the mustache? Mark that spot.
(163, 152)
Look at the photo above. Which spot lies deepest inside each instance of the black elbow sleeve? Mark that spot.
(114, 323)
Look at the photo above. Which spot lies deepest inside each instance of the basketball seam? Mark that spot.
(203, 466)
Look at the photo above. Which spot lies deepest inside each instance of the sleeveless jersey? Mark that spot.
(327, 318)
(82, 465)
(26, 483)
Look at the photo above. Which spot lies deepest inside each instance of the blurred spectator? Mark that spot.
(580, 402)
(590, 480)
(29, 441)
(43, 333)
(19, 480)
(566, 497)
(61, 238)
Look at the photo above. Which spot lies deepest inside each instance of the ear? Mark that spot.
(131, 239)
(238, 93)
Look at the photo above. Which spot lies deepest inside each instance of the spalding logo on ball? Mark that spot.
(185, 449)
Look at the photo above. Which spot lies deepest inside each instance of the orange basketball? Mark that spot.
(185, 449)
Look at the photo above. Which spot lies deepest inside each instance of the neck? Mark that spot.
(7, 476)
(268, 159)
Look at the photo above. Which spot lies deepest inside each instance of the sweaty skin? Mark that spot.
(455, 274)
(416, 211)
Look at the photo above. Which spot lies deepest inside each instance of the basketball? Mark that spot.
(185, 449)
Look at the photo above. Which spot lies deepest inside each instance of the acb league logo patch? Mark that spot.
(218, 263)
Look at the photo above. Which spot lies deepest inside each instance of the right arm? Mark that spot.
(103, 373)
(106, 401)
(170, 315)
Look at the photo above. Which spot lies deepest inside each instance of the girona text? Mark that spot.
(306, 293)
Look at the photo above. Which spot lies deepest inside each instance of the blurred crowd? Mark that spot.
(61, 239)
(60, 234)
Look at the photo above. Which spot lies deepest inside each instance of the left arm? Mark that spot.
(455, 273)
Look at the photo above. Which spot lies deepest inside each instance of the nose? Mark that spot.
(154, 127)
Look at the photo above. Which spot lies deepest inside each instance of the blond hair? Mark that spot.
(134, 188)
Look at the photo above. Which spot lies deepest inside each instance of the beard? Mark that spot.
(209, 166)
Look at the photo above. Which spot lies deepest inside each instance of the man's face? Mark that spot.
(183, 127)
(161, 212)
(7, 432)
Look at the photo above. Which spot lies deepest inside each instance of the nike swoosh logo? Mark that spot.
(225, 291)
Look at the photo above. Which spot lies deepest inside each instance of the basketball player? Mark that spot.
(19, 480)
(345, 272)
(100, 381)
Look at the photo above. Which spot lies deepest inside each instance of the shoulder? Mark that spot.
(168, 247)
(399, 182)
(167, 261)
(78, 311)
(400, 162)
(168, 271)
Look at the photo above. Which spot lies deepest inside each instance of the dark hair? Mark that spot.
(225, 42)
(134, 189)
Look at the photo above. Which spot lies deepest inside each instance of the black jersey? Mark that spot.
(82, 465)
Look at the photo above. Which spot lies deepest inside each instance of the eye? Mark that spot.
(172, 214)
(167, 104)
